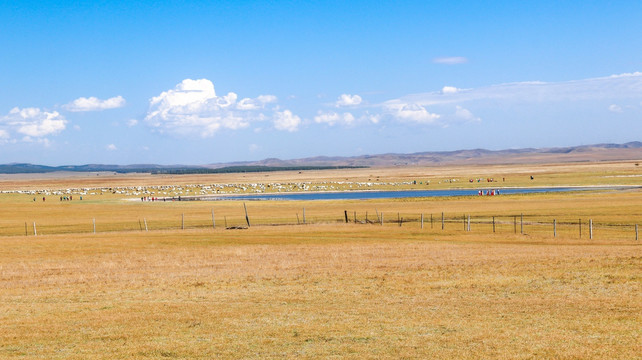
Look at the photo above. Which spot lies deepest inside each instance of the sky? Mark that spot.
(202, 82)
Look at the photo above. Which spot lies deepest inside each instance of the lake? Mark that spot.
(392, 194)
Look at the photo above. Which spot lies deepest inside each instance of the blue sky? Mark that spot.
(197, 82)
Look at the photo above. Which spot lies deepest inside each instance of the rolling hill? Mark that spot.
(583, 153)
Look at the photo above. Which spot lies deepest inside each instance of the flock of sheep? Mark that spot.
(219, 189)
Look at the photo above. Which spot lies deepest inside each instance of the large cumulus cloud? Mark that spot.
(192, 107)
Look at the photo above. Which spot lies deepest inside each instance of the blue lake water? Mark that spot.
(368, 195)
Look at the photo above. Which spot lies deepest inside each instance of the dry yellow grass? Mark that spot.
(329, 290)
(614, 213)
(320, 291)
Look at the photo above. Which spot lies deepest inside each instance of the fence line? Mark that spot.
(480, 224)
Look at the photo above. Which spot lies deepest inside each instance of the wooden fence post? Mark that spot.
(442, 221)
(345, 212)
(468, 222)
(636, 232)
(493, 224)
(521, 224)
(304, 216)
(554, 228)
(591, 229)
(431, 220)
(35, 233)
(94, 225)
(247, 219)
(515, 224)
(28, 234)
(381, 218)
(580, 224)
(422, 220)
(145, 220)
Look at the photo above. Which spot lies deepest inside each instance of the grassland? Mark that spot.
(326, 290)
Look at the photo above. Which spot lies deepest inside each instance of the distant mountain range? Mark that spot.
(598, 152)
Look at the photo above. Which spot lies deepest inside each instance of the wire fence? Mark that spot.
(523, 224)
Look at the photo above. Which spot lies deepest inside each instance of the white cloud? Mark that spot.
(333, 118)
(132, 122)
(373, 118)
(413, 113)
(253, 148)
(449, 90)
(4, 135)
(193, 107)
(615, 108)
(285, 120)
(267, 99)
(255, 104)
(95, 104)
(33, 123)
(348, 118)
(451, 60)
(348, 100)
(111, 147)
(465, 114)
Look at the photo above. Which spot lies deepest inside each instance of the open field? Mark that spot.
(614, 214)
(326, 289)
(315, 292)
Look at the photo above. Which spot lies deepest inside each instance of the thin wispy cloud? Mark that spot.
(465, 114)
(450, 60)
(603, 88)
(615, 108)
